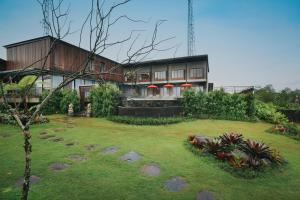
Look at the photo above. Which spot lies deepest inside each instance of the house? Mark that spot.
(155, 79)
(166, 78)
(28, 57)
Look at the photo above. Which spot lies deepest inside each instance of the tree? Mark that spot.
(98, 25)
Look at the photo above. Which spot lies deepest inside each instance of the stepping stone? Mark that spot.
(109, 150)
(59, 129)
(175, 184)
(205, 195)
(91, 147)
(5, 135)
(150, 170)
(70, 126)
(33, 180)
(130, 157)
(44, 137)
(59, 166)
(57, 139)
(43, 133)
(70, 144)
(77, 157)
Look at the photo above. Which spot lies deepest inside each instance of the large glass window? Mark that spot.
(197, 73)
(160, 76)
(56, 80)
(177, 74)
(144, 77)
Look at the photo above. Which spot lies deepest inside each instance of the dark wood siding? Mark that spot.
(30, 54)
(64, 58)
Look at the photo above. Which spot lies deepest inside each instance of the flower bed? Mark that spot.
(244, 158)
(288, 129)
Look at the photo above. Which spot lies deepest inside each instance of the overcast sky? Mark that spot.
(249, 42)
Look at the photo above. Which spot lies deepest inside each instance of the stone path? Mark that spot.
(109, 150)
(45, 137)
(5, 135)
(91, 147)
(175, 184)
(59, 139)
(33, 180)
(59, 129)
(150, 170)
(77, 157)
(59, 166)
(205, 195)
(70, 144)
(43, 133)
(130, 157)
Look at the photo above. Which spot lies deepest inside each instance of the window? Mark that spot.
(90, 66)
(144, 77)
(102, 67)
(177, 74)
(159, 76)
(197, 73)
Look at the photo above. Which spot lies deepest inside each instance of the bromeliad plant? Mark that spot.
(237, 153)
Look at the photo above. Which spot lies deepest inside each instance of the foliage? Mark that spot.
(68, 97)
(268, 113)
(213, 145)
(7, 119)
(146, 120)
(217, 104)
(53, 104)
(256, 150)
(286, 98)
(27, 81)
(11, 87)
(250, 110)
(105, 100)
(288, 128)
(244, 158)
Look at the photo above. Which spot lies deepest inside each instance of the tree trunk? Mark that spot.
(27, 170)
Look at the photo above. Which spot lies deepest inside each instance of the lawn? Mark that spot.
(107, 177)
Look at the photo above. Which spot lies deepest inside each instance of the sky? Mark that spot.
(249, 42)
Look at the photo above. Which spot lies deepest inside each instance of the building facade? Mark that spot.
(165, 78)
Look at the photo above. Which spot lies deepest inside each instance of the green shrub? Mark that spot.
(289, 129)
(105, 100)
(53, 104)
(68, 97)
(146, 120)
(217, 104)
(7, 119)
(268, 113)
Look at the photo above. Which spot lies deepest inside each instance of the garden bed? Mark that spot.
(242, 158)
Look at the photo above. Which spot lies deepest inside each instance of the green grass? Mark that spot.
(106, 177)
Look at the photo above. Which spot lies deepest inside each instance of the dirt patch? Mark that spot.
(43, 133)
(59, 129)
(5, 135)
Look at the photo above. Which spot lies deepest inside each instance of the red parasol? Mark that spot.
(168, 86)
(152, 86)
(186, 85)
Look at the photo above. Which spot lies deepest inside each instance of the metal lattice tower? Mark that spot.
(190, 33)
(46, 5)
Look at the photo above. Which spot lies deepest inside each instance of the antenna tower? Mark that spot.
(190, 34)
(46, 5)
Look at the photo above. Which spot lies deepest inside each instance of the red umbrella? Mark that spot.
(168, 85)
(186, 85)
(152, 86)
